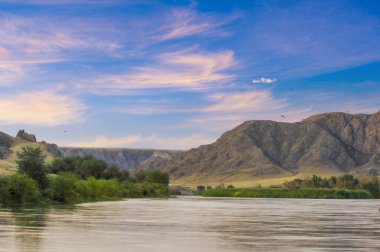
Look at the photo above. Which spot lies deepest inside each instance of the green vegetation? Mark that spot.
(343, 187)
(74, 179)
(346, 181)
(31, 163)
(318, 193)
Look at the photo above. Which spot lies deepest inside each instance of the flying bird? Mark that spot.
(283, 116)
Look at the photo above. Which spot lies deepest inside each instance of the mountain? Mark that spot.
(264, 152)
(325, 144)
(126, 159)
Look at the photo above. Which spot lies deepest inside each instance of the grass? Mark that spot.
(244, 180)
(309, 193)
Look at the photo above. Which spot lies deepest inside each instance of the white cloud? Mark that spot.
(264, 80)
(179, 70)
(45, 108)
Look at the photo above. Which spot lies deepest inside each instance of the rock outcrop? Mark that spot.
(322, 144)
(5, 145)
(26, 136)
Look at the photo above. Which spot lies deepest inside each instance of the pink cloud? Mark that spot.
(183, 70)
(47, 108)
(3, 51)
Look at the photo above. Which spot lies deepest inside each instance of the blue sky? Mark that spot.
(177, 74)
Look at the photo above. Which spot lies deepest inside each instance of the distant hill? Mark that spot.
(325, 144)
(126, 159)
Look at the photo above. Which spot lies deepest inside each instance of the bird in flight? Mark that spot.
(283, 116)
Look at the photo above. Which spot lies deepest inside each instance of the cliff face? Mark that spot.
(126, 159)
(322, 144)
(5, 145)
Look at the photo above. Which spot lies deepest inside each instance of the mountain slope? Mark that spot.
(325, 144)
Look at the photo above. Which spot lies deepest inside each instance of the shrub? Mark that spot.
(63, 188)
(19, 190)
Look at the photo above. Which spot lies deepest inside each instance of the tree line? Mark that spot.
(346, 181)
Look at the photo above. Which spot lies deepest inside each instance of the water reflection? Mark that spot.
(24, 226)
(195, 224)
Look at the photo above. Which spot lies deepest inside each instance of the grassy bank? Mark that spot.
(315, 193)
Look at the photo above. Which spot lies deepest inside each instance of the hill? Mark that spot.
(126, 159)
(9, 146)
(269, 152)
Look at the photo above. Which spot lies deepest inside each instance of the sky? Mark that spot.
(177, 74)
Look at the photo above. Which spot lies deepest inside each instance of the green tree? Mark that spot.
(157, 176)
(140, 176)
(92, 167)
(65, 164)
(31, 162)
(372, 186)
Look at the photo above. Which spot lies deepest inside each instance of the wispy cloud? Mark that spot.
(40, 35)
(264, 80)
(44, 108)
(248, 101)
(178, 70)
(239, 102)
(107, 142)
(184, 22)
(9, 73)
(138, 141)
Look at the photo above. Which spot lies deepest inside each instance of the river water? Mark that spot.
(195, 224)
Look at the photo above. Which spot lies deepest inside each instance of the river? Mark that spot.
(195, 224)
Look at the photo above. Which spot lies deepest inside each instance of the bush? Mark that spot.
(63, 188)
(103, 189)
(19, 190)
(145, 190)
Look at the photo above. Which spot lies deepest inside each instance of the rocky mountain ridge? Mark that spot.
(330, 143)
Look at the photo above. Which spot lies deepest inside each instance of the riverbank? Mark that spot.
(307, 193)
